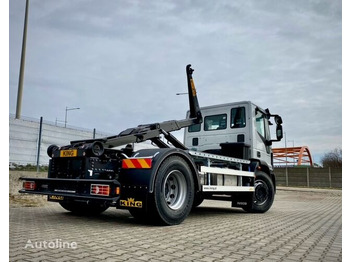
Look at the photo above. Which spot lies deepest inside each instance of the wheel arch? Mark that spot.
(262, 166)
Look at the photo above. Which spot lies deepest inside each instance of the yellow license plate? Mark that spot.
(69, 153)
(55, 198)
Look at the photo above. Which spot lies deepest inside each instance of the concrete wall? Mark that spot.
(24, 135)
(309, 177)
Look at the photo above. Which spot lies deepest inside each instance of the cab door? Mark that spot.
(262, 147)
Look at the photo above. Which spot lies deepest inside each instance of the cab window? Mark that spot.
(260, 123)
(238, 117)
(215, 122)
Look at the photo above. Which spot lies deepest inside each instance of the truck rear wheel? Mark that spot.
(264, 194)
(81, 208)
(173, 191)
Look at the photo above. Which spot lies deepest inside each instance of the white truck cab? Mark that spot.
(240, 129)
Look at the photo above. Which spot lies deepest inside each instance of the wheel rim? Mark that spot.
(175, 189)
(261, 192)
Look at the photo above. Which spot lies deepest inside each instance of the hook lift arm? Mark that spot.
(153, 131)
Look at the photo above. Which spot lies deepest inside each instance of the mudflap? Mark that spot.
(133, 197)
(242, 199)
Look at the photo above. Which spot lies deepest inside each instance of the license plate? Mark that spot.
(69, 153)
(55, 198)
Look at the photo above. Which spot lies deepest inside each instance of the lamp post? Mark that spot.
(21, 71)
(68, 109)
(285, 146)
(293, 151)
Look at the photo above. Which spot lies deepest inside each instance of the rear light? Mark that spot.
(29, 185)
(117, 190)
(100, 190)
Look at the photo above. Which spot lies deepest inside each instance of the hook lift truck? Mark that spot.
(226, 155)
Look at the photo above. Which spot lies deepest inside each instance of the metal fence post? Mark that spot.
(39, 144)
(308, 177)
(330, 176)
(286, 176)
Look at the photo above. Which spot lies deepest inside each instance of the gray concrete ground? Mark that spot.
(302, 225)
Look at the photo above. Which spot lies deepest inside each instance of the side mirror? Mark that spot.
(279, 132)
(278, 120)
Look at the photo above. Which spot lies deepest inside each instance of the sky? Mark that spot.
(122, 62)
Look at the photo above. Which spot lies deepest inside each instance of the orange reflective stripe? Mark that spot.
(127, 163)
(137, 163)
(145, 163)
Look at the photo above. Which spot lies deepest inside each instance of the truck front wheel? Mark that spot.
(81, 208)
(264, 194)
(173, 191)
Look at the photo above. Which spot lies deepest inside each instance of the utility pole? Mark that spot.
(23, 58)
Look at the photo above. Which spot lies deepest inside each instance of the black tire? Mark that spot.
(173, 192)
(81, 208)
(264, 194)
